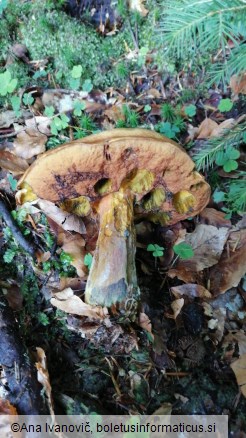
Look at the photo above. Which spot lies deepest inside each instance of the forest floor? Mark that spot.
(185, 351)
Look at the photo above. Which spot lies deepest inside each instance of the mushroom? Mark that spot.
(116, 174)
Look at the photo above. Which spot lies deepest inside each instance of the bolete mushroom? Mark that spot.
(115, 174)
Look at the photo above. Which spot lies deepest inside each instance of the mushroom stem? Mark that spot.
(112, 278)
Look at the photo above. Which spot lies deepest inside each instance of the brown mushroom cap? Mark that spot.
(77, 168)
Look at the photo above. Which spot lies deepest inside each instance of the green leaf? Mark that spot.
(74, 83)
(87, 85)
(147, 108)
(225, 105)
(190, 110)
(230, 165)
(49, 111)
(232, 153)
(40, 74)
(221, 158)
(9, 255)
(76, 71)
(7, 85)
(27, 99)
(184, 250)
(13, 182)
(219, 197)
(16, 102)
(157, 251)
(151, 247)
(64, 121)
(88, 260)
(78, 107)
(169, 130)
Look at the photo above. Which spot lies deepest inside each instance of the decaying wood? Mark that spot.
(20, 372)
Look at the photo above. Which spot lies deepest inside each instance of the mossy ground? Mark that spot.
(62, 42)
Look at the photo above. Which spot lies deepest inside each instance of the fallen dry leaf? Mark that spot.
(144, 323)
(12, 163)
(74, 245)
(206, 128)
(43, 377)
(239, 369)
(232, 265)
(137, 5)
(184, 274)
(219, 130)
(67, 221)
(191, 290)
(209, 128)
(115, 113)
(152, 93)
(70, 303)
(207, 242)
(210, 216)
(6, 408)
(238, 83)
(29, 143)
(41, 123)
(7, 118)
(176, 306)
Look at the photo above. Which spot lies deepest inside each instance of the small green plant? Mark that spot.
(75, 78)
(131, 118)
(234, 198)
(27, 99)
(43, 318)
(227, 159)
(49, 111)
(87, 85)
(88, 260)
(147, 108)
(168, 113)
(190, 110)
(167, 129)
(157, 251)
(183, 250)
(7, 84)
(13, 182)
(16, 104)
(122, 70)
(59, 123)
(78, 108)
(9, 254)
(86, 126)
(225, 105)
(195, 30)
(218, 147)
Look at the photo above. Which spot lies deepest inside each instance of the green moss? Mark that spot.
(50, 34)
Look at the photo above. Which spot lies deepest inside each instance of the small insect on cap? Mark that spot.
(154, 168)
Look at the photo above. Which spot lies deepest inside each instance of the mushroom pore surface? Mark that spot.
(119, 173)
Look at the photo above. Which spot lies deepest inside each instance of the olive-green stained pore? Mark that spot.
(154, 199)
(79, 206)
(103, 186)
(183, 201)
(160, 217)
(139, 181)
